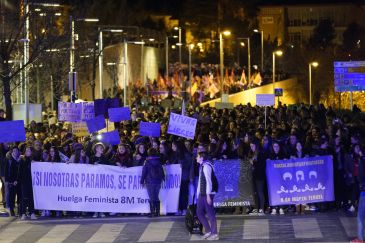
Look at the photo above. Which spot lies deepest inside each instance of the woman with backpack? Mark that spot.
(206, 191)
(152, 176)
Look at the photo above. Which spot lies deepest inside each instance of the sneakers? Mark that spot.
(254, 212)
(24, 217)
(351, 209)
(206, 236)
(95, 215)
(273, 211)
(281, 211)
(261, 212)
(357, 241)
(102, 215)
(33, 217)
(213, 237)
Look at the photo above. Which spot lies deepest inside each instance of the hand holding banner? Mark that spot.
(150, 129)
(119, 114)
(12, 131)
(96, 124)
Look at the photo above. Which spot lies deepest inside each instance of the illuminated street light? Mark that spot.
(72, 73)
(262, 46)
(179, 44)
(310, 65)
(248, 54)
(275, 53)
(191, 47)
(221, 57)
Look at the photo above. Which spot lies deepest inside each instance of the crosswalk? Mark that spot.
(231, 229)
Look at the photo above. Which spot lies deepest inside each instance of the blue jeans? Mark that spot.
(204, 208)
(361, 216)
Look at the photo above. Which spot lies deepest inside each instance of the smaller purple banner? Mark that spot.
(150, 129)
(12, 131)
(119, 114)
(110, 137)
(300, 181)
(96, 124)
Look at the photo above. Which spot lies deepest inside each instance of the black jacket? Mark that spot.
(152, 172)
(11, 170)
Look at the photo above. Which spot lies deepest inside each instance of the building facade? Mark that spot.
(294, 24)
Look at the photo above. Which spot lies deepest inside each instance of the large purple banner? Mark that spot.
(300, 181)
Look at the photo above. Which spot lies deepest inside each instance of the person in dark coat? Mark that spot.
(11, 178)
(152, 176)
(25, 180)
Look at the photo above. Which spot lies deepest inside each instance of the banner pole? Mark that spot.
(265, 117)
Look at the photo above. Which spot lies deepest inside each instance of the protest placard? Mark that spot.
(182, 126)
(88, 111)
(70, 112)
(79, 129)
(119, 114)
(150, 129)
(101, 106)
(96, 124)
(265, 99)
(110, 137)
(12, 131)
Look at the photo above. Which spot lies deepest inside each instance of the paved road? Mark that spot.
(325, 227)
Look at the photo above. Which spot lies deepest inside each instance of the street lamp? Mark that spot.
(180, 43)
(275, 53)
(221, 56)
(72, 72)
(26, 41)
(314, 64)
(262, 46)
(191, 47)
(248, 54)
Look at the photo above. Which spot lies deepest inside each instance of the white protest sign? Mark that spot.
(99, 188)
(88, 111)
(182, 126)
(70, 112)
(79, 129)
(265, 99)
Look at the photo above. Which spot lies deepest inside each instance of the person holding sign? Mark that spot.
(152, 176)
(205, 197)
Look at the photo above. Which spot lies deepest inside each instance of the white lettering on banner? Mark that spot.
(182, 126)
(265, 99)
(88, 112)
(99, 188)
(70, 112)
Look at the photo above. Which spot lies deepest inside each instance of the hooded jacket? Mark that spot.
(152, 172)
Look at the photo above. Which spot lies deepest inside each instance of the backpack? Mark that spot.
(215, 185)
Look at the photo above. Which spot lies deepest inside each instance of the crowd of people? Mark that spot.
(205, 82)
(291, 132)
